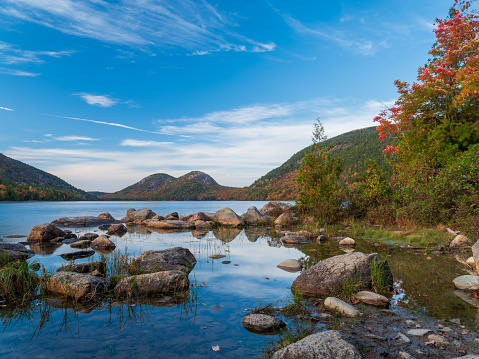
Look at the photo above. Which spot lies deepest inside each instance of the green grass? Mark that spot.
(424, 237)
(296, 307)
(118, 263)
(349, 288)
(261, 308)
(381, 276)
(19, 282)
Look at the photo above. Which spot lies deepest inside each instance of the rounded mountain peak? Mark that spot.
(201, 177)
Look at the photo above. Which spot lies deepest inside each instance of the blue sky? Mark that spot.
(105, 92)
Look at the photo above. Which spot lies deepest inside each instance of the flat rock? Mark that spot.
(81, 244)
(290, 265)
(341, 307)
(420, 332)
(84, 267)
(44, 233)
(171, 225)
(292, 239)
(227, 217)
(467, 282)
(102, 243)
(324, 345)
(76, 285)
(261, 323)
(83, 221)
(152, 284)
(177, 258)
(372, 298)
(76, 255)
(217, 256)
(11, 252)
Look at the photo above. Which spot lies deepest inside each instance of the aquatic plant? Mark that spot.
(296, 307)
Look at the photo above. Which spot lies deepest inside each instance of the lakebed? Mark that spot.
(221, 292)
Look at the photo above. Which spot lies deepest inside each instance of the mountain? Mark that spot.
(22, 182)
(192, 186)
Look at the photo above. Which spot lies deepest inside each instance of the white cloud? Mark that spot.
(187, 24)
(75, 138)
(5, 108)
(13, 72)
(98, 100)
(139, 143)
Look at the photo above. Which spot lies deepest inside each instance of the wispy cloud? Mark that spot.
(98, 100)
(194, 25)
(140, 143)
(75, 138)
(12, 55)
(13, 72)
(5, 108)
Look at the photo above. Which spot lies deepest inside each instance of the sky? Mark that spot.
(105, 92)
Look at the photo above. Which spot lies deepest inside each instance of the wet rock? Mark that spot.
(324, 345)
(217, 256)
(226, 262)
(199, 224)
(290, 239)
(199, 216)
(44, 233)
(438, 339)
(253, 217)
(347, 242)
(81, 244)
(261, 323)
(55, 240)
(467, 282)
(70, 235)
(418, 332)
(104, 227)
(171, 225)
(290, 265)
(106, 215)
(372, 298)
(341, 307)
(76, 285)
(171, 216)
(11, 252)
(152, 284)
(327, 276)
(84, 267)
(117, 229)
(460, 241)
(103, 243)
(76, 255)
(83, 221)
(322, 238)
(227, 217)
(88, 236)
(177, 259)
(285, 219)
(143, 214)
(467, 297)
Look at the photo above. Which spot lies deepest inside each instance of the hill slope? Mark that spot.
(22, 182)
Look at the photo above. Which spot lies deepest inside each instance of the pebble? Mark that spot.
(418, 332)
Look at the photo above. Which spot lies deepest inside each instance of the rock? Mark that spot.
(171, 259)
(81, 244)
(84, 221)
(322, 238)
(227, 217)
(475, 254)
(261, 323)
(216, 256)
(324, 345)
(290, 265)
(103, 243)
(468, 356)
(467, 282)
(285, 219)
(76, 285)
(106, 215)
(117, 229)
(341, 307)
(70, 235)
(44, 233)
(347, 242)
(56, 240)
(418, 332)
(327, 276)
(402, 339)
(438, 339)
(404, 355)
(143, 214)
(171, 225)
(76, 255)
(337, 239)
(84, 267)
(372, 298)
(199, 224)
(11, 252)
(471, 261)
(253, 217)
(104, 227)
(199, 216)
(88, 237)
(173, 215)
(273, 209)
(290, 239)
(460, 241)
(152, 284)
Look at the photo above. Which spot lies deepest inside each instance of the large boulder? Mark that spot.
(273, 209)
(199, 216)
(44, 233)
(106, 215)
(328, 276)
(171, 259)
(460, 241)
(76, 285)
(324, 345)
(262, 323)
(152, 284)
(102, 243)
(171, 224)
(11, 252)
(117, 229)
(83, 221)
(285, 219)
(254, 218)
(227, 217)
(143, 214)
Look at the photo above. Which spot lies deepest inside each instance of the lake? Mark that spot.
(220, 293)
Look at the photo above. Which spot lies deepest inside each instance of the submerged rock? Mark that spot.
(76, 285)
(261, 323)
(76, 255)
(171, 259)
(341, 307)
(44, 233)
(290, 265)
(324, 345)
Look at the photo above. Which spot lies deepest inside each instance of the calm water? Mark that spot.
(222, 294)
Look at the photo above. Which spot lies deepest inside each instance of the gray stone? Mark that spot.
(372, 298)
(152, 284)
(402, 339)
(76, 285)
(83, 221)
(143, 214)
(177, 258)
(254, 217)
(341, 307)
(44, 233)
(290, 265)
(325, 345)
(468, 356)
(261, 323)
(418, 332)
(404, 355)
(438, 339)
(467, 282)
(11, 252)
